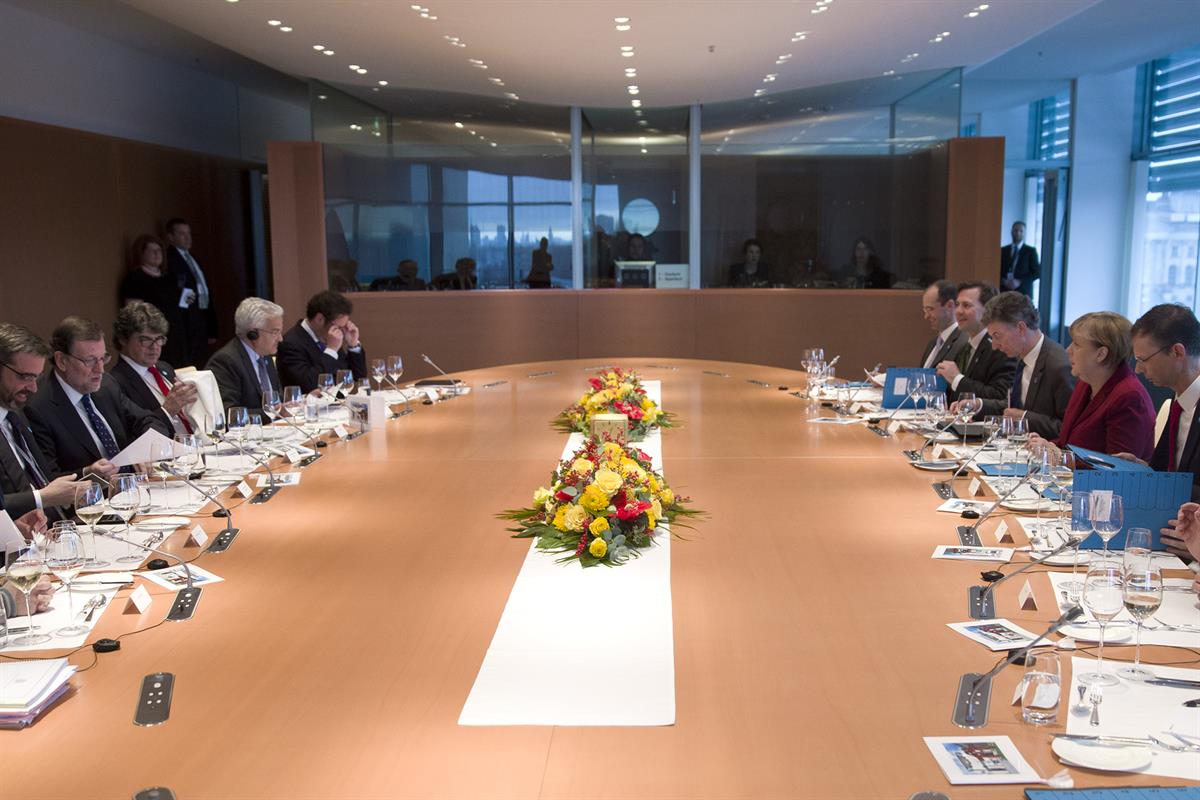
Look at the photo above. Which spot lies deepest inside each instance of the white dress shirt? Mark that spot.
(975, 341)
(329, 351)
(148, 379)
(931, 359)
(1187, 401)
(12, 445)
(76, 402)
(202, 297)
(1030, 359)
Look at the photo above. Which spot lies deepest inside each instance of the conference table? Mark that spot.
(810, 639)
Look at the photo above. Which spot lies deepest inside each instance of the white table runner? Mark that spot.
(566, 652)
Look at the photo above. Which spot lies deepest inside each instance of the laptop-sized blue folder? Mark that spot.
(898, 384)
(1150, 499)
(1104, 461)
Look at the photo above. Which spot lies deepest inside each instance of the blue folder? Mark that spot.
(1151, 499)
(1104, 461)
(1010, 470)
(898, 384)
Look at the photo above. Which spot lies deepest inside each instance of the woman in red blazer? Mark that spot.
(1109, 411)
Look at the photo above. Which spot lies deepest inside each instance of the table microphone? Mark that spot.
(225, 538)
(975, 690)
(882, 430)
(288, 421)
(429, 361)
(948, 484)
(979, 598)
(868, 372)
(265, 494)
(187, 597)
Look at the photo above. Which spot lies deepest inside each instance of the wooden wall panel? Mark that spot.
(974, 203)
(71, 203)
(297, 190)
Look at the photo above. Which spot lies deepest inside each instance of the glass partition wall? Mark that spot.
(835, 186)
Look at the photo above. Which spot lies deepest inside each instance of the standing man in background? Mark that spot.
(195, 301)
(1019, 266)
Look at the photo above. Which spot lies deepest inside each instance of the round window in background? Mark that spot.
(640, 216)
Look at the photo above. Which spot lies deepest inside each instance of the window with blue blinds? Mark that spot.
(1050, 123)
(1173, 129)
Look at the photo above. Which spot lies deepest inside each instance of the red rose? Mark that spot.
(632, 510)
(563, 496)
(596, 383)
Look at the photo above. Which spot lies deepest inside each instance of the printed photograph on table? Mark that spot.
(980, 759)
(619, 392)
(604, 503)
(966, 553)
(995, 634)
(173, 577)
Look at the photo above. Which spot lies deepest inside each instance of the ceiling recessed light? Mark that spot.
(625, 48)
(274, 22)
(424, 15)
(361, 70)
(511, 96)
(458, 125)
(415, 6)
(231, 1)
(983, 7)
(286, 29)
(318, 47)
(635, 103)
(623, 28)
(328, 52)
(620, 20)
(354, 67)
(493, 144)
(890, 72)
(431, 17)
(971, 14)
(628, 54)
(496, 81)
(643, 150)
(945, 34)
(475, 61)
(322, 97)
(383, 83)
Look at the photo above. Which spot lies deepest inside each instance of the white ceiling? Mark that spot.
(567, 52)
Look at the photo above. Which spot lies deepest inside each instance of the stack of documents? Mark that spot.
(27, 688)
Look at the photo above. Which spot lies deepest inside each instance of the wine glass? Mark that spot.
(379, 371)
(64, 558)
(1138, 542)
(1143, 594)
(1063, 474)
(968, 406)
(345, 381)
(188, 461)
(1104, 599)
(395, 368)
(1081, 528)
(254, 430)
(325, 384)
(1019, 436)
(89, 507)
(124, 500)
(237, 419)
(293, 400)
(1004, 438)
(162, 451)
(1040, 472)
(1108, 515)
(24, 574)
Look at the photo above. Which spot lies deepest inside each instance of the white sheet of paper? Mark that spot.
(281, 479)
(994, 634)
(59, 616)
(173, 577)
(980, 759)
(10, 537)
(958, 505)
(958, 552)
(142, 449)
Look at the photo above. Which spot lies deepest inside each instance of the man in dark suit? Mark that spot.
(1042, 383)
(199, 316)
(245, 366)
(325, 341)
(937, 306)
(28, 479)
(979, 369)
(80, 418)
(1019, 266)
(139, 334)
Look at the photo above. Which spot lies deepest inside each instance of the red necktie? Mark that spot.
(166, 390)
(1173, 433)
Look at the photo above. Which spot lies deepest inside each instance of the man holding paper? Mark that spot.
(28, 479)
(80, 419)
(140, 333)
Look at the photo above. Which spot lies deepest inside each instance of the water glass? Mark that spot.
(1103, 597)
(1040, 691)
(1138, 542)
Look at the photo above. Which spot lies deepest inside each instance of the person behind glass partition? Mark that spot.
(406, 279)
(865, 270)
(463, 277)
(635, 248)
(540, 266)
(752, 272)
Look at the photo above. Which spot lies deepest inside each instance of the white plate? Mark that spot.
(1043, 504)
(941, 465)
(162, 523)
(1107, 757)
(1116, 632)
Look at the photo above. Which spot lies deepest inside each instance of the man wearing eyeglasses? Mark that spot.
(245, 366)
(139, 334)
(80, 419)
(27, 477)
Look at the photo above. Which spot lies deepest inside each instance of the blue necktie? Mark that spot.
(101, 430)
(264, 373)
(1014, 397)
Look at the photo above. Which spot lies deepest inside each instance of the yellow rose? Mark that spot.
(598, 548)
(541, 496)
(594, 499)
(560, 518)
(598, 527)
(654, 484)
(574, 517)
(651, 416)
(667, 497)
(613, 450)
(608, 481)
(651, 520)
(582, 466)
(656, 508)
(647, 404)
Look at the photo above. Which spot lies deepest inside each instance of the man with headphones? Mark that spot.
(245, 366)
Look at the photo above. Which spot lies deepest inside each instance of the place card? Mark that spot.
(293, 456)
(341, 432)
(139, 601)
(197, 537)
(1026, 599)
(894, 426)
(973, 487)
(244, 489)
(856, 407)
(1002, 533)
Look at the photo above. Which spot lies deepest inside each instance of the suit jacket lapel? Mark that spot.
(112, 415)
(12, 468)
(69, 417)
(1193, 439)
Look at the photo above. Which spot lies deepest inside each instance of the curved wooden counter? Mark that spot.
(811, 651)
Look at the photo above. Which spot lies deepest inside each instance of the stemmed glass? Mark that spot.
(1138, 542)
(1041, 475)
(325, 385)
(1004, 428)
(254, 430)
(345, 381)
(293, 401)
(1143, 594)
(379, 371)
(1063, 474)
(64, 558)
(24, 573)
(237, 419)
(189, 461)
(161, 451)
(396, 372)
(1107, 517)
(1103, 596)
(124, 500)
(1019, 435)
(1081, 528)
(89, 507)
(968, 406)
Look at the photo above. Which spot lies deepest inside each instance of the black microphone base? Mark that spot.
(881, 432)
(308, 460)
(968, 536)
(971, 703)
(184, 605)
(320, 443)
(220, 512)
(264, 495)
(981, 603)
(222, 540)
(944, 490)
